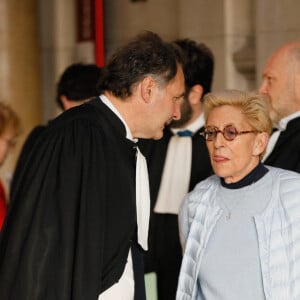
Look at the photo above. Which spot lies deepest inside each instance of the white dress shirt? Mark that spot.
(177, 170)
(124, 288)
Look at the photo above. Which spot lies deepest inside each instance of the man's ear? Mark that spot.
(297, 85)
(65, 102)
(195, 94)
(147, 88)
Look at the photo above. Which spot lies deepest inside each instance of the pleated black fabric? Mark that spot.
(72, 214)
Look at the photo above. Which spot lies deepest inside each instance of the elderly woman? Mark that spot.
(240, 228)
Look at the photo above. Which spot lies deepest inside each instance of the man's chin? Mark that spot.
(158, 136)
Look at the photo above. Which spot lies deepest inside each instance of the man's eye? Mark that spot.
(178, 98)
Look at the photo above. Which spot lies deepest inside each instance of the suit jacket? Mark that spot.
(72, 216)
(286, 153)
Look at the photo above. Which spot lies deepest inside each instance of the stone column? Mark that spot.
(58, 47)
(226, 26)
(19, 68)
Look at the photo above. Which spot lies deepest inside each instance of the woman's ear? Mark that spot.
(261, 143)
(147, 88)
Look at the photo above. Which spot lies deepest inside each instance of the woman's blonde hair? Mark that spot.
(254, 107)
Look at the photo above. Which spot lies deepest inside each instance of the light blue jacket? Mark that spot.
(278, 229)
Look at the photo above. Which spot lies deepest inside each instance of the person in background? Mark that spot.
(9, 130)
(240, 227)
(76, 85)
(78, 224)
(281, 84)
(176, 163)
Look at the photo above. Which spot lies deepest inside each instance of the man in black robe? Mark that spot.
(170, 177)
(72, 224)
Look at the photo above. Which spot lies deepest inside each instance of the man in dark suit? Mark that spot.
(281, 84)
(176, 164)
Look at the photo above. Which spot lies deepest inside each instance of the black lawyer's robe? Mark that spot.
(72, 213)
(25, 151)
(286, 153)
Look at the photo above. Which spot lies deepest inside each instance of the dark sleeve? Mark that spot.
(51, 243)
(25, 151)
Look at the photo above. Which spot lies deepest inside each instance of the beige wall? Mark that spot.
(124, 19)
(19, 67)
(225, 26)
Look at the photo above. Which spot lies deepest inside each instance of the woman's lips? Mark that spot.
(220, 158)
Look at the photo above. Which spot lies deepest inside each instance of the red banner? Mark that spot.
(85, 23)
(99, 36)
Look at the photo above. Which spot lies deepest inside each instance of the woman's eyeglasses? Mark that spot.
(229, 132)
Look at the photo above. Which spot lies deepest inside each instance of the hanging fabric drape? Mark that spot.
(99, 35)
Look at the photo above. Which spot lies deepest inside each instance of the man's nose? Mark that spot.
(177, 112)
(263, 88)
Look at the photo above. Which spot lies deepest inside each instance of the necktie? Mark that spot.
(142, 199)
(184, 133)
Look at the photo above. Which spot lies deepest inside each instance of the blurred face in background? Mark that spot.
(7, 142)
